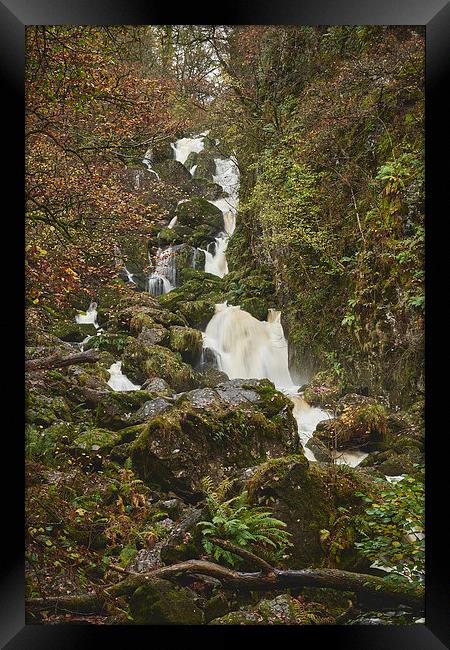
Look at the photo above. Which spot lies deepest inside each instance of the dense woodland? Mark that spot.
(190, 499)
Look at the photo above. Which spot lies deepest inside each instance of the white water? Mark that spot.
(163, 278)
(216, 263)
(172, 222)
(246, 348)
(147, 160)
(89, 317)
(183, 147)
(119, 381)
(227, 176)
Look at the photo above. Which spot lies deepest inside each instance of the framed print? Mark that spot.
(229, 403)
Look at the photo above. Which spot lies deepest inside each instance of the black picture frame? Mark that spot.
(15, 15)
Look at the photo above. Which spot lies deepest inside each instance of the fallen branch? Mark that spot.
(56, 361)
(359, 583)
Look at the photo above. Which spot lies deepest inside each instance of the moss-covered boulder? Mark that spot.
(115, 409)
(160, 602)
(362, 424)
(197, 211)
(141, 362)
(187, 341)
(212, 432)
(205, 165)
(44, 410)
(202, 187)
(173, 172)
(73, 332)
(97, 440)
(307, 498)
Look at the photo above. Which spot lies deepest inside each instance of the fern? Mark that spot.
(237, 521)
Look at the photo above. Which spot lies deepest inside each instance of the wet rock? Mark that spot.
(184, 542)
(187, 341)
(159, 602)
(115, 409)
(150, 410)
(207, 433)
(238, 391)
(141, 361)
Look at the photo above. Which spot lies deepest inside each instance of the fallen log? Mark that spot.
(56, 361)
(360, 583)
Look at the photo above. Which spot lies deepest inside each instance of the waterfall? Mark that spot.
(216, 263)
(163, 278)
(245, 347)
(119, 381)
(89, 317)
(172, 222)
(147, 160)
(227, 176)
(183, 147)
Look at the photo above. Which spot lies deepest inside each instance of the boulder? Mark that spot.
(141, 362)
(212, 432)
(187, 341)
(159, 602)
(115, 409)
(197, 212)
(362, 423)
(173, 172)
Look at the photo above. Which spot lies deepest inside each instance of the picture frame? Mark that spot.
(15, 15)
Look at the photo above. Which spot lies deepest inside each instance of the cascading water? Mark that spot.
(183, 147)
(89, 317)
(227, 176)
(163, 278)
(118, 381)
(245, 348)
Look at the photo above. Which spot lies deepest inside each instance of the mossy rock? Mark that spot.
(115, 409)
(210, 432)
(196, 212)
(141, 362)
(73, 332)
(362, 424)
(187, 341)
(159, 602)
(281, 610)
(198, 313)
(205, 188)
(98, 440)
(206, 165)
(173, 172)
(257, 307)
(298, 495)
(44, 411)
